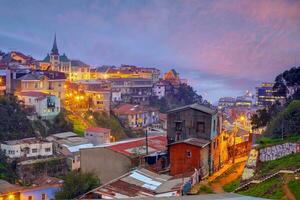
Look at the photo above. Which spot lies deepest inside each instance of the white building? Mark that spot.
(159, 90)
(27, 148)
(97, 135)
(116, 95)
(45, 105)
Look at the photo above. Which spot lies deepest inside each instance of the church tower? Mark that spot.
(54, 56)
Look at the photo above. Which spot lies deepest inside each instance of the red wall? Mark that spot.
(180, 162)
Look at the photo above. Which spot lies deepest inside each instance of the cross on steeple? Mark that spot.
(54, 49)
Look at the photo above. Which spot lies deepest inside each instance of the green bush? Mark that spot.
(205, 189)
(76, 184)
(232, 186)
(271, 189)
(294, 186)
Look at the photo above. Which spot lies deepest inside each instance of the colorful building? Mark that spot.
(44, 105)
(49, 82)
(75, 69)
(199, 122)
(137, 116)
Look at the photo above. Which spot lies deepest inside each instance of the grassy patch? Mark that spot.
(78, 125)
(230, 187)
(294, 186)
(229, 171)
(271, 189)
(268, 141)
(205, 189)
(291, 162)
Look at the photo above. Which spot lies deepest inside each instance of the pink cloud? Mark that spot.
(264, 11)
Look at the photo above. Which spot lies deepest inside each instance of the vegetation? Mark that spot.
(291, 161)
(287, 84)
(76, 184)
(13, 121)
(286, 122)
(268, 141)
(271, 189)
(294, 186)
(184, 95)
(7, 169)
(230, 187)
(205, 189)
(60, 123)
(111, 122)
(78, 125)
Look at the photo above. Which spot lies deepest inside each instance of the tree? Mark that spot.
(7, 169)
(286, 122)
(260, 118)
(76, 184)
(287, 84)
(13, 121)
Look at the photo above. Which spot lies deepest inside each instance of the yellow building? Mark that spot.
(43, 81)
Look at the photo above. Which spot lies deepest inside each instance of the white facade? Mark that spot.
(116, 96)
(143, 119)
(46, 106)
(29, 147)
(97, 137)
(159, 90)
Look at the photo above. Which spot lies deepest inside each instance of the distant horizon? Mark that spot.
(222, 48)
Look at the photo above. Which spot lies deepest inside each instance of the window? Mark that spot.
(30, 198)
(47, 149)
(178, 126)
(189, 154)
(44, 197)
(214, 125)
(200, 127)
(33, 150)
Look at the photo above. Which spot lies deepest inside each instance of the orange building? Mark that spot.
(188, 155)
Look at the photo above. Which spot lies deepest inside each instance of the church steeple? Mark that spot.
(54, 49)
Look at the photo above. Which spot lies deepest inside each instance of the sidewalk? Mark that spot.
(225, 168)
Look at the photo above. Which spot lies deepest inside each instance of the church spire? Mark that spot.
(54, 49)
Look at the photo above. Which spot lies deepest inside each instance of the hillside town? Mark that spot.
(135, 131)
(150, 99)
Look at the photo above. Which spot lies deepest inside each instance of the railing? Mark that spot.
(267, 178)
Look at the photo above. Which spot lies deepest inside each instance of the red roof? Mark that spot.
(127, 109)
(97, 130)
(34, 94)
(156, 143)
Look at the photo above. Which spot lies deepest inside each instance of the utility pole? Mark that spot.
(282, 129)
(146, 141)
(234, 136)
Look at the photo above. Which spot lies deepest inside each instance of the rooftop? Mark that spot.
(97, 130)
(139, 183)
(6, 187)
(38, 75)
(39, 95)
(126, 109)
(195, 106)
(73, 141)
(136, 146)
(63, 135)
(193, 141)
(24, 141)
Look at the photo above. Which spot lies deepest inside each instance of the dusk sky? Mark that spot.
(222, 47)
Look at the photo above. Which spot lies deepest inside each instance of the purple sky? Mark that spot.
(222, 47)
